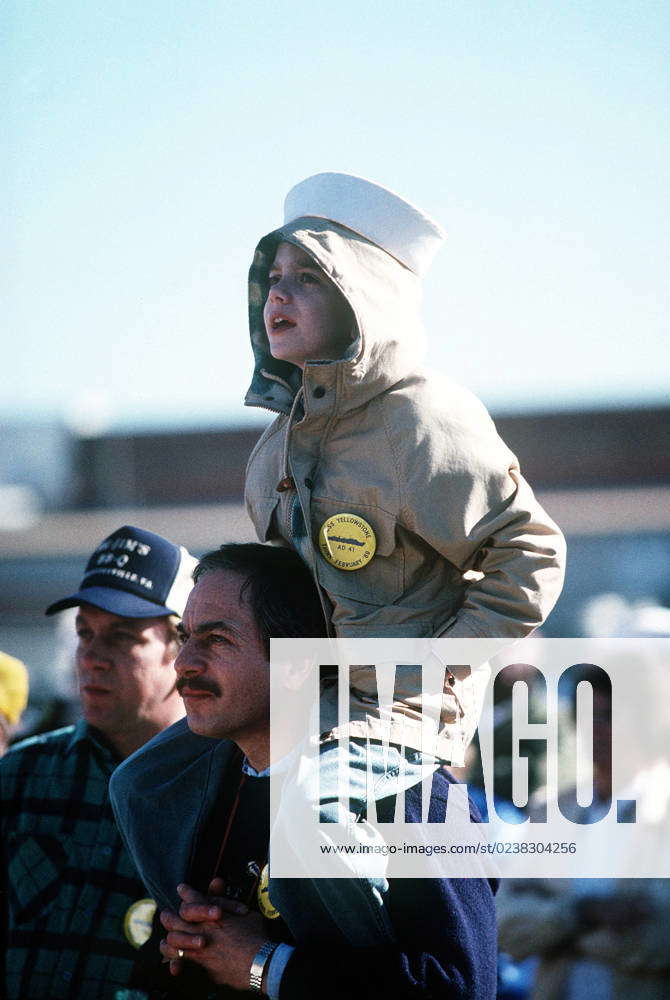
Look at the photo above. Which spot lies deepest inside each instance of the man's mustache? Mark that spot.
(198, 684)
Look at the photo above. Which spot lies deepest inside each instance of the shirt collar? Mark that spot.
(83, 733)
(248, 769)
(279, 767)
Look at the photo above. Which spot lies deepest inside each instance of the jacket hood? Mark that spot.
(384, 296)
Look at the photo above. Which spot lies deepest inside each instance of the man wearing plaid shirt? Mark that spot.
(73, 908)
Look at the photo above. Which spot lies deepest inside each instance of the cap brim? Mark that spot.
(116, 602)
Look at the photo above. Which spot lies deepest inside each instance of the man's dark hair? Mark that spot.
(278, 586)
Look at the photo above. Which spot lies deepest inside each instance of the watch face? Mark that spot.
(138, 921)
(263, 896)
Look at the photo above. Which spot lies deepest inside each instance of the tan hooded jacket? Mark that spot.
(411, 452)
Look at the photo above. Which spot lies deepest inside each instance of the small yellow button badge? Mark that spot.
(138, 921)
(264, 903)
(347, 541)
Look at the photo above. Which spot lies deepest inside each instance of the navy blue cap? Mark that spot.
(134, 574)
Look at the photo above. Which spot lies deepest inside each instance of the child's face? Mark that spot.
(306, 316)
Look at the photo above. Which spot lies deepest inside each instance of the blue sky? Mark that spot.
(152, 144)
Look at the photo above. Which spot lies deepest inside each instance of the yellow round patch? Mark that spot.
(138, 921)
(264, 903)
(347, 541)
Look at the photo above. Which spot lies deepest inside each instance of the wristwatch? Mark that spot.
(258, 965)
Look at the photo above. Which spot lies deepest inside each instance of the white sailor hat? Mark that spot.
(372, 211)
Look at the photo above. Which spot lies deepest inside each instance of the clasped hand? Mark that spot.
(219, 934)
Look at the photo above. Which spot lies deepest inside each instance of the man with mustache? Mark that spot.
(193, 809)
(74, 910)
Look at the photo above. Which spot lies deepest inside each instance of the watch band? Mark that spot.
(258, 965)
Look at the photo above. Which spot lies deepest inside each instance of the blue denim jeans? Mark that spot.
(352, 908)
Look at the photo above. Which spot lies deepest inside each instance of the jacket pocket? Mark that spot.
(380, 582)
(261, 511)
(36, 867)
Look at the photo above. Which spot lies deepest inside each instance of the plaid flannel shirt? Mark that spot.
(68, 878)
